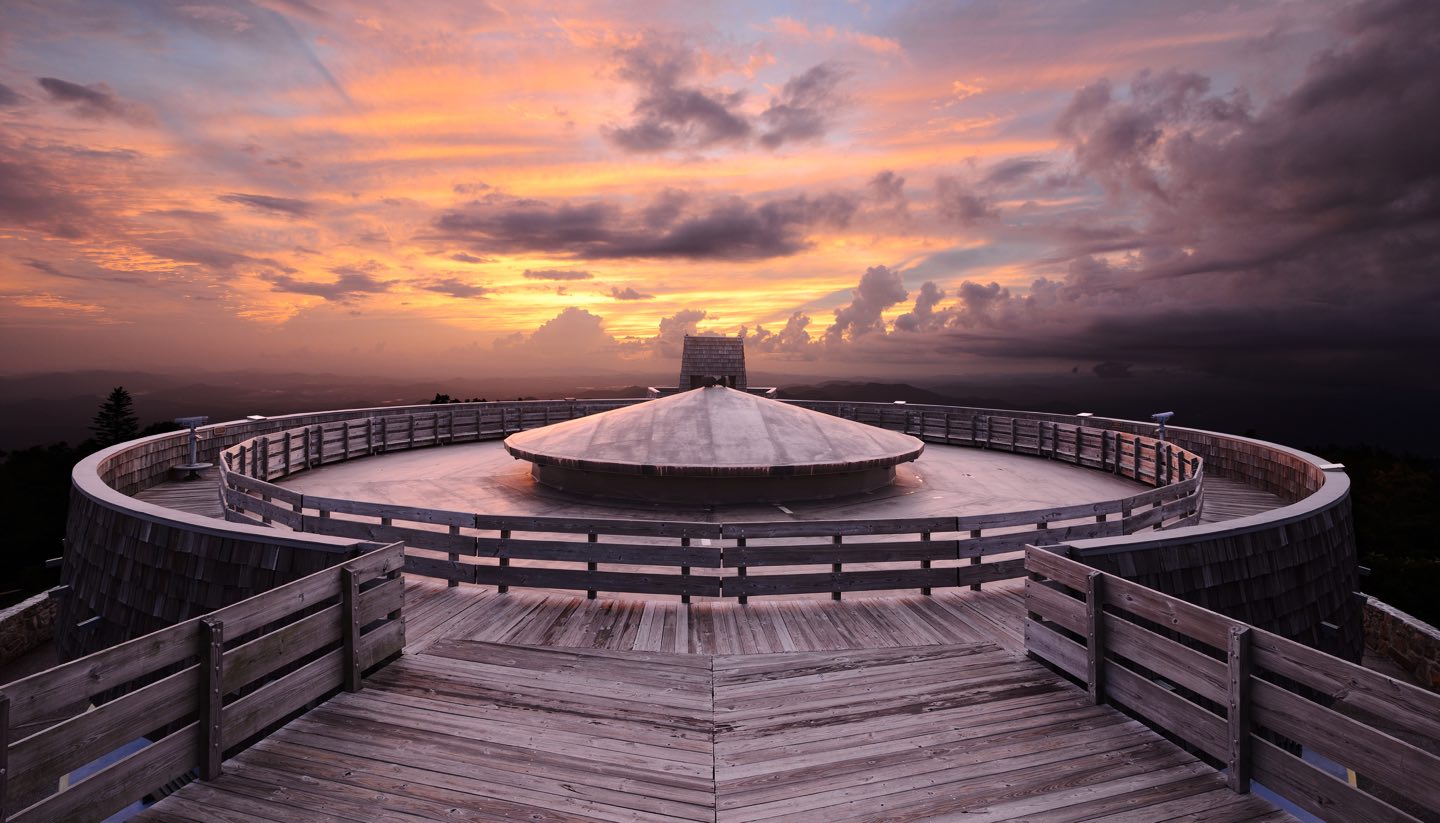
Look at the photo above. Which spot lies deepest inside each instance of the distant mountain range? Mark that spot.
(45, 408)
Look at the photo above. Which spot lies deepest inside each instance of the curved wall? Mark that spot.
(1292, 570)
(134, 567)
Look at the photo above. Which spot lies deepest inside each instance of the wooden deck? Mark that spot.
(633, 623)
(529, 706)
(200, 496)
(1227, 498)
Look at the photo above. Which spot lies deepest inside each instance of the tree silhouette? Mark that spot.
(116, 421)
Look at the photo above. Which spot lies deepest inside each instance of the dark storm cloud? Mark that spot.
(95, 102)
(673, 112)
(557, 274)
(8, 97)
(1303, 234)
(629, 293)
(275, 205)
(90, 101)
(803, 108)
(46, 267)
(674, 226)
(349, 284)
(456, 287)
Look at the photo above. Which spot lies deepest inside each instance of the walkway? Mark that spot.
(869, 709)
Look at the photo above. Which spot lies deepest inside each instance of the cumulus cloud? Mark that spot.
(285, 206)
(670, 341)
(879, 289)
(923, 316)
(674, 112)
(803, 109)
(629, 293)
(959, 203)
(886, 194)
(793, 339)
(556, 274)
(571, 335)
(675, 225)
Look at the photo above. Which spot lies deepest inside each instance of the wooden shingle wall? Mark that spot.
(706, 356)
(138, 576)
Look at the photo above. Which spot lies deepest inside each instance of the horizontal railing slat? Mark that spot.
(42, 759)
(1359, 686)
(577, 579)
(1374, 754)
(1316, 791)
(45, 693)
(119, 784)
(838, 581)
(705, 557)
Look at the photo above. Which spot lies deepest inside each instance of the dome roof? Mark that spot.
(714, 432)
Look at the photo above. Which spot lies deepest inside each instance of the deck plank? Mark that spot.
(473, 730)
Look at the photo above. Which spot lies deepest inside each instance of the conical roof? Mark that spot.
(714, 432)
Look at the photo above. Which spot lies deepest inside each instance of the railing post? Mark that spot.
(287, 453)
(212, 700)
(1135, 442)
(836, 567)
(1238, 773)
(454, 557)
(4, 754)
(975, 561)
(320, 445)
(592, 566)
(685, 572)
(504, 535)
(1095, 636)
(350, 627)
(925, 564)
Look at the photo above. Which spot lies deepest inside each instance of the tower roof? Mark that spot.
(714, 432)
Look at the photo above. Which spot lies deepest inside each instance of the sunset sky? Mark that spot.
(862, 188)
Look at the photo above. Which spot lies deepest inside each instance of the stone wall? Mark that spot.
(1409, 642)
(25, 626)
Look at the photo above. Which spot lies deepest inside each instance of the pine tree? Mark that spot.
(116, 421)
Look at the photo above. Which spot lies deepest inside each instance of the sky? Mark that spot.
(1229, 190)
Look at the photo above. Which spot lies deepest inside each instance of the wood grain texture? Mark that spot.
(472, 730)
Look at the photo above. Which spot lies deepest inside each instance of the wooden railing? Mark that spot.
(194, 691)
(704, 559)
(1248, 700)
